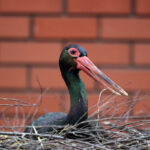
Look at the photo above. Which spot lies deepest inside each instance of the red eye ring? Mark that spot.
(74, 52)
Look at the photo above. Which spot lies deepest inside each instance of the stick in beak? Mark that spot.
(85, 64)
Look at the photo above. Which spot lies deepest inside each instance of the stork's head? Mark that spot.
(74, 58)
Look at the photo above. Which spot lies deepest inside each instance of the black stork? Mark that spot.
(74, 58)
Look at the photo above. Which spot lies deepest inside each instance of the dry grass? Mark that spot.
(111, 127)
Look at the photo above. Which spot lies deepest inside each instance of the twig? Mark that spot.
(39, 139)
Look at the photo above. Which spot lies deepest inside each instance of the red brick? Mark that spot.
(131, 29)
(48, 77)
(31, 6)
(65, 102)
(29, 53)
(26, 97)
(109, 105)
(88, 81)
(142, 108)
(14, 27)
(130, 79)
(12, 78)
(143, 7)
(50, 102)
(142, 53)
(64, 28)
(105, 53)
(99, 6)
(92, 101)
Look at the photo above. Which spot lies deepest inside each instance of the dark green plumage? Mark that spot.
(78, 96)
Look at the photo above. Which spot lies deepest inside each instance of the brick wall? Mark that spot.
(116, 34)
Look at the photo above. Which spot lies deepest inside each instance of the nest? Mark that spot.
(104, 131)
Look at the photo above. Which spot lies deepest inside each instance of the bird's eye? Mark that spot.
(74, 52)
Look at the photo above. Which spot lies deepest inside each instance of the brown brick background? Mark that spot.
(115, 33)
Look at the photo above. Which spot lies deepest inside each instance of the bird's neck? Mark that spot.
(79, 104)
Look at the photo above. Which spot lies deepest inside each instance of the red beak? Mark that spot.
(85, 64)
